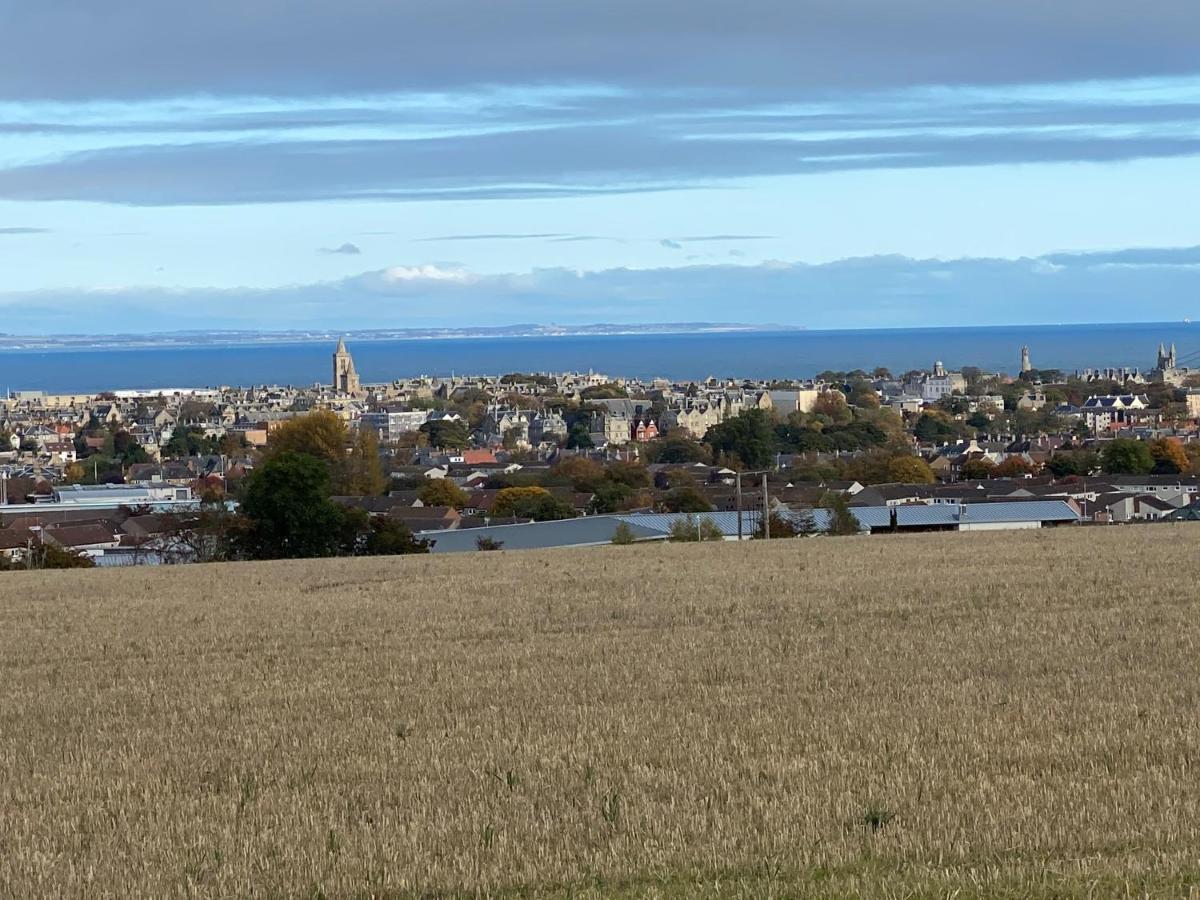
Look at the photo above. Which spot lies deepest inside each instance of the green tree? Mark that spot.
(777, 527)
(387, 537)
(934, 428)
(447, 434)
(691, 530)
(842, 521)
(1073, 462)
(750, 436)
(1126, 456)
(623, 534)
(290, 515)
(675, 448)
(686, 498)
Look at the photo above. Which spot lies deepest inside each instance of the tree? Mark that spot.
(48, 555)
(675, 448)
(360, 473)
(387, 537)
(609, 391)
(979, 419)
(910, 470)
(623, 534)
(580, 472)
(690, 530)
(841, 520)
(749, 436)
(934, 428)
(128, 450)
(1126, 456)
(487, 543)
(1169, 456)
(291, 516)
(686, 499)
(443, 492)
(635, 475)
(1073, 462)
(777, 527)
(446, 433)
(579, 437)
(978, 467)
(535, 503)
(187, 442)
(833, 405)
(1013, 467)
(320, 434)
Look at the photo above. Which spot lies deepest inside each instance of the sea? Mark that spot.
(748, 354)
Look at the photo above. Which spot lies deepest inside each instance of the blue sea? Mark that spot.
(793, 354)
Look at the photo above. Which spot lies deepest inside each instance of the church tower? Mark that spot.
(1026, 364)
(345, 379)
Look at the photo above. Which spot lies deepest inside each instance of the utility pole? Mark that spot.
(766, 512)
(739, 504)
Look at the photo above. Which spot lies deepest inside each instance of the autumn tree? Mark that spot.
(443, 492)
(360, 473)
(580, 472)
(1013, 467)
(978, 467)
(1169, 456)
(910, 470)
(535, 503)
(320, 434)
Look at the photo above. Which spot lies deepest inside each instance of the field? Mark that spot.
(966, 715)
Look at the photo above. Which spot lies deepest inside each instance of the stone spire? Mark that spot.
(345, 378)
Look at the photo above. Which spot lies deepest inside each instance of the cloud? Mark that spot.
(56, 50)
(581, 142)
(863, 292)
(1133, 256)
(496, 237)
(670, 244)
(346, 249)
(726, 237)
(19, 229)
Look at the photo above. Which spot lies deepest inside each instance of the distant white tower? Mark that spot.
(1026, 365)
(939, 371)
(345, 379)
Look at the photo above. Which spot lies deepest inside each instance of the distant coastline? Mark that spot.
(234, 338)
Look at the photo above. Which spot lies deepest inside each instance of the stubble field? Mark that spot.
(972, 715)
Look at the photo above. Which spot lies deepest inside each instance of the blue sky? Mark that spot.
(367, 164)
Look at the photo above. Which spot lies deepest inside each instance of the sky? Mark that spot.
(391, 163)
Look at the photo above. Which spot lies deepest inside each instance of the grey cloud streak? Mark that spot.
(57, 49)
(587, 159)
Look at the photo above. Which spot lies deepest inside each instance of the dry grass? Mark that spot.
(941, 715)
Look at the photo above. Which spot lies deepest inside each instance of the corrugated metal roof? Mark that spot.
(593, 530)
(726, 521)
(580, 532)
(942, 514)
